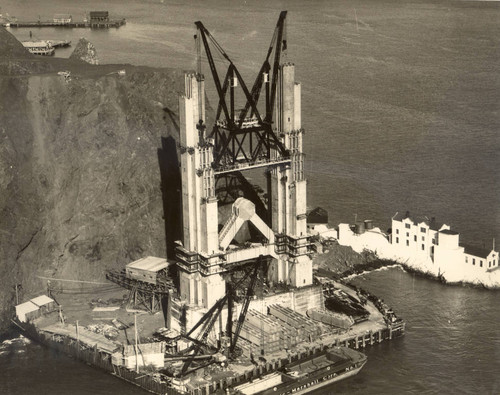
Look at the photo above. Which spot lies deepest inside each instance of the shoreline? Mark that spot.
(373, 248)
(383, 264)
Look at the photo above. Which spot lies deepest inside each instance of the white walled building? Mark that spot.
(62, 18)
(422, 238)
(480, 259)
(415, 236)
(428, 247)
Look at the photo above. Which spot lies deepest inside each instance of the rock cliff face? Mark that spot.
(11, 48)
(89, 175)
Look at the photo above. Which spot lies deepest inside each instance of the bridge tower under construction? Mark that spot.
(264, 134)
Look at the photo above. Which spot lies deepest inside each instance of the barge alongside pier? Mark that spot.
(323, 365)
(311, 373)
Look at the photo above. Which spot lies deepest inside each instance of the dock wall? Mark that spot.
(98, 359)
(102, 360)
(356, 342)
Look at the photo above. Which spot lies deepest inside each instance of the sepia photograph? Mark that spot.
(243, 197)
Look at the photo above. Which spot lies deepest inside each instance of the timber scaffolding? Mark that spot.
(142, 293)
(284, 328)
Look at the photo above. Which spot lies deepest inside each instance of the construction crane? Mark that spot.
(244, 309)
(206, 323)
(247, 138)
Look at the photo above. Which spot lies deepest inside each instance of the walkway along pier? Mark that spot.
(82, 24)
(94, 19)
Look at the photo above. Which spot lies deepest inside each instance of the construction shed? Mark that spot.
(147, 269)
(62, 18)
(99, 16)
(27, 311)
(44, 303)
(35, 307)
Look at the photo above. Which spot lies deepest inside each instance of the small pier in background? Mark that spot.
(94, 20)
(82, 24)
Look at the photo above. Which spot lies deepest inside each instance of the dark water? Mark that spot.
(29, 369)
(451, 343)
(401, 111)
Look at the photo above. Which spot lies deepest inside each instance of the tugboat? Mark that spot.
(319, 370)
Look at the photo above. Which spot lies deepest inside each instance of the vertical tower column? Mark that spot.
(199, 204)
(198, 179)
(289, 186)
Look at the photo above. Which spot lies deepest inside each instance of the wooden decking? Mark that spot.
(84, 336)
(82, 24)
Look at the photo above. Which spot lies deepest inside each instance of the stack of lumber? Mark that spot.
(307, 329)
(268, 342)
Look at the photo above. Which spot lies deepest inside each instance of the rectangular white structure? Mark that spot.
(146, 269)
(26, 311)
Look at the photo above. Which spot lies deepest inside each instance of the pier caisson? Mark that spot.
(265, 133)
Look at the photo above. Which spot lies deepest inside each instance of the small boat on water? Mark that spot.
(316, 371)
(39, 47)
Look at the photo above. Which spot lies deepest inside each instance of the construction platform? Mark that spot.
(98, 326)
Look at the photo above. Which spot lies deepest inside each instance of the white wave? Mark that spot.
(371, 271)
(20, 339)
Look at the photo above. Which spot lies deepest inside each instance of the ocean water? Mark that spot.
(451, 344)
(401, 107)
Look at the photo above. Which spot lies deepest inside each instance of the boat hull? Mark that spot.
(325, 382)
(308, 374)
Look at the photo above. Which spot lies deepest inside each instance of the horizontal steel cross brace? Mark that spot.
(253, 166)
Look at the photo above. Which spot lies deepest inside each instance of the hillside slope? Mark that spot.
(89, 175)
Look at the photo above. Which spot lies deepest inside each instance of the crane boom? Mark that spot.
(237, 138)
(246, 304)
